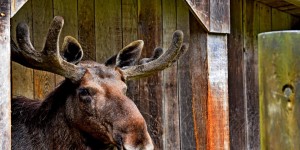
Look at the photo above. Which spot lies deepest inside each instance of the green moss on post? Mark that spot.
(279, 87)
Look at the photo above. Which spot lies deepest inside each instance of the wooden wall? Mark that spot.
(172, 102)
(248, 18)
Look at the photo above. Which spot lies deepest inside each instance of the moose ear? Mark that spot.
(72, 51)
(128, 56)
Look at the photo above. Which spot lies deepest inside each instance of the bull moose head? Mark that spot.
(89, 110)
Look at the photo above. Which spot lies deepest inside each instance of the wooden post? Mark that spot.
(217, 101)
(279, 88)
(5, 119)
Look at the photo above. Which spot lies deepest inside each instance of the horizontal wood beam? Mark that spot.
(213, 15)
(294, 2)
(16, 5)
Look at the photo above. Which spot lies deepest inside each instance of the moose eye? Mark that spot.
(84, 92)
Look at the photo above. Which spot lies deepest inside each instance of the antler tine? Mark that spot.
(165, 60)
(49, 58)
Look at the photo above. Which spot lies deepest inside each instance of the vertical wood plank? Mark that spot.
(250, 30)
(265, 19)
(42, 15)
(280, 20)
(170, 118)
(5, 118)
(217, 103)
(149, 15)
(86, 28)
(108, 28)
(130, 34)
(68, 10)
(199, 81)
(22, 77)
(237, 107)
(187, 138)
(219, 16)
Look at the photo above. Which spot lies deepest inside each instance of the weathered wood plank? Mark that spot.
(200, 8)
(214, 15)
(237, 107)
(187, 138)
(274, 3)
(5, 118)
(68, 10)
(219, 16)
(170, 118)
(150, 30)
(250, 30)
(217, 102)
(294, 2)
(86, 28)
(279, 87)
(264, 13)
(42, 15)
(108, 28)
(280, 20)
(130, 34)
(289, 6)
(22, 77)
(15, 6)
(199, 84)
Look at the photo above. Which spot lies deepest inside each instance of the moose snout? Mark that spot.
(132, 143)
(133, 135)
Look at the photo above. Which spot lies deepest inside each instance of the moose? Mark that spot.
(89, 109)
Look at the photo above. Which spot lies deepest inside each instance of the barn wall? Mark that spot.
(173, 102)
(248, 18)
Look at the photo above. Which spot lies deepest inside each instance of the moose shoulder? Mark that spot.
(89, 109)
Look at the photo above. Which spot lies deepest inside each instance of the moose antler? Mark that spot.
(49, 59)
(175, 50)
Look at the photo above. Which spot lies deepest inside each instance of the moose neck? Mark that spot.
(38, 118)
(50, 121)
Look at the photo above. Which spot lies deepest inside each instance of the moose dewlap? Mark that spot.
(89, 109)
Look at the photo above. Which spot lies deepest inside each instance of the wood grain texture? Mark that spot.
(86, 28)
(279, 86)
(150, 29)
(170, 118)
(280, 20)
(199, 84)
(289, 6)
(214, 15)
(217, 102)
(237, 107)
(187, 138)
(68, 10)
(5, 111)
(42, 15)
(250, 31)
(219, 16)
(200, 8)
(22, 77)
(108, 28)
